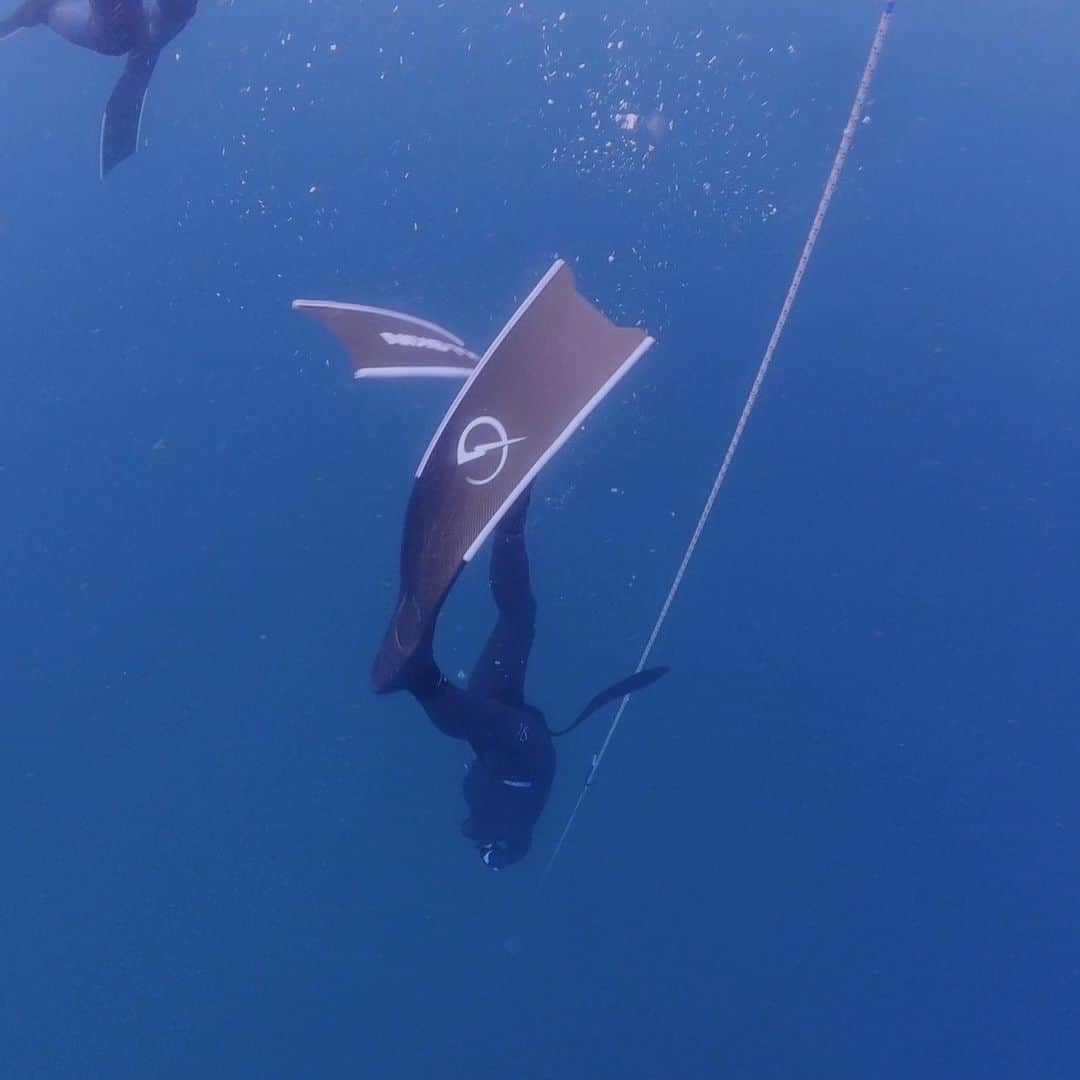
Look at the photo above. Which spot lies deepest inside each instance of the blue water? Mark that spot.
(840, 840)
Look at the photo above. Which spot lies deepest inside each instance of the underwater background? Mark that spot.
(839, 840)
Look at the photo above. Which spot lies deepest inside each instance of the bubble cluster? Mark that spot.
(632, 100)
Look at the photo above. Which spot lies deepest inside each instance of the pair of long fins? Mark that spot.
(551, 365)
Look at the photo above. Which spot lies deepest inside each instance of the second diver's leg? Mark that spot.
(500, 671)
(499, 674)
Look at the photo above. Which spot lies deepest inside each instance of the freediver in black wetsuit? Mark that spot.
(551, 365)
(114, 28)
(508, 783)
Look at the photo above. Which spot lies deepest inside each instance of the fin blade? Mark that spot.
(390, 344)
(553, 363)
(632, 684)
(122, 122)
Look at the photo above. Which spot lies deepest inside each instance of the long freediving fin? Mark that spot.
(632, 684)
(387, 344)
(123, 114)
(553, 363)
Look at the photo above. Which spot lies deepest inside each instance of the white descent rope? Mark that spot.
(766, 361)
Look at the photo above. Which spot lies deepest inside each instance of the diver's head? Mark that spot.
(498, 847)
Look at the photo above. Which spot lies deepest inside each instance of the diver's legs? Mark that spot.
(500, 671)
(28, 13)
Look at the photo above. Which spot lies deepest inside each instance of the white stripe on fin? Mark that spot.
(335, 305)
(413, 341)
(412, 372)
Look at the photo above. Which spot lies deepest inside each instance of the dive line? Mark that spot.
(831, 183)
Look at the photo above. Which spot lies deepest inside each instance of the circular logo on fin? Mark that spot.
(483, 436)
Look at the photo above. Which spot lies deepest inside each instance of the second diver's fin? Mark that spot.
(549, 367)
(632, 684)
(123, 114)
(390, 345)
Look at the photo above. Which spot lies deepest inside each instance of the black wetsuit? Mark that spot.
(111, 27)
(508, 784)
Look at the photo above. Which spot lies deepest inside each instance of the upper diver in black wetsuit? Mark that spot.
(114, 28)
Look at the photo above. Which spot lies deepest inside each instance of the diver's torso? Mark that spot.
(514, 768)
